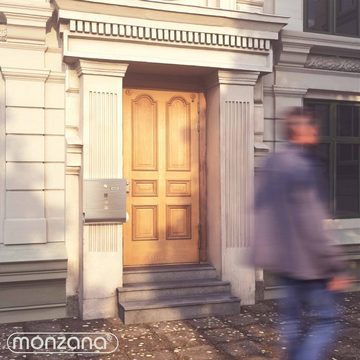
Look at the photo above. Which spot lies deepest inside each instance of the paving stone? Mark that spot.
(240, 320)
(118, 355)
(133, 330)
(350, 336)
(143, 343)
(170, 326)
(157, 355)
(43, 326)
(251, 335)
(351, 319)
(346, 352)
(242, 349)
(5, 331)
(52, 356)
(348, 303)
(224, 335)
(207, 323)
(69, 324)
(261, 332)
(204, 352)
(185, 338)
(264, 307)
(10, 356)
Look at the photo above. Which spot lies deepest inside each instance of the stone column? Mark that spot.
(101, 105)
(235, 91)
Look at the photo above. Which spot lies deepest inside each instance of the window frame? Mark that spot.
(331, 20)
(333, 140)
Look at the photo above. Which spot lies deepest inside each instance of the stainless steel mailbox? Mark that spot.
(105, 201)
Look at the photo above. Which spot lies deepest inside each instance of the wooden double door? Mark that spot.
(161, 163)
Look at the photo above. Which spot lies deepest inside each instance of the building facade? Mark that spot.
(182, 101)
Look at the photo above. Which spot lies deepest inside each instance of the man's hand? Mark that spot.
(339, 283)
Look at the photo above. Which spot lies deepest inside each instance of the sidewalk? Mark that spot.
(250, 335)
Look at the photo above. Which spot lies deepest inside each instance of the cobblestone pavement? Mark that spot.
(251, 335)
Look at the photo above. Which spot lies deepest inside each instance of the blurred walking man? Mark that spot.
(290, 241)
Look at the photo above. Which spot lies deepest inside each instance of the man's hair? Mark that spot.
(296, 116)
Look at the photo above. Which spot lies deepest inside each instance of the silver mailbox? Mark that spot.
(105, 201)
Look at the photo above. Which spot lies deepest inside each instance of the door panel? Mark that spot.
(161, 162)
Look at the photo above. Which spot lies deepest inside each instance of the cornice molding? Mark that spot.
(228, 77)
(116, 7)
(73, 170)
(28, 74)
(23, 46)
(169, 36)
(56, 77)
(319, 40)
(311, 71)
(28, 13)
(268, 90)
(284, 91)
(333, 63)
(101, 68)
(297, 46)
(289, 92)
(259, 3)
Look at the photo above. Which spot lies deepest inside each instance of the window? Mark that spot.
(339, 153)
(339, 17)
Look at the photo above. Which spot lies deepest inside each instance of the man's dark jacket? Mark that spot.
(289, 238)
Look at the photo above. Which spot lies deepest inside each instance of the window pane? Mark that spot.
(323, 156)
(346, 13)
(318, 15)
(347, 122)
(347, 179)
(322, 117)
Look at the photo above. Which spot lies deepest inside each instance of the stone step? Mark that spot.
(135, 312)
(168, 273)
(171, 289)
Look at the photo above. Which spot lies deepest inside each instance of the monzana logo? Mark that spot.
(62, 343)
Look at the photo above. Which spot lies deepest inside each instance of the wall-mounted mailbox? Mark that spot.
(105, 201)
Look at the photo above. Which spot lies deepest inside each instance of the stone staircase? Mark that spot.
(173, 292)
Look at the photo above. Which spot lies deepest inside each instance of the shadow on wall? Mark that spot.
(33, 218)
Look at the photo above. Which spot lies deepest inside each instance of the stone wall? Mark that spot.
(32, 160)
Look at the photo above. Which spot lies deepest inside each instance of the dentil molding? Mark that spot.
(170, 36)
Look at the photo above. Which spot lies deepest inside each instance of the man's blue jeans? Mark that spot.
(313, 298)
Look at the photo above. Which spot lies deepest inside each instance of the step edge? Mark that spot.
(141, 305)
(169, 285)
(162, 270)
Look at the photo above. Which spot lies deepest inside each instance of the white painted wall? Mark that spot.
(33, 106)
(290, 8)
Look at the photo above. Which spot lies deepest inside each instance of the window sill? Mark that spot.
(344, 231)
(341, 224)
